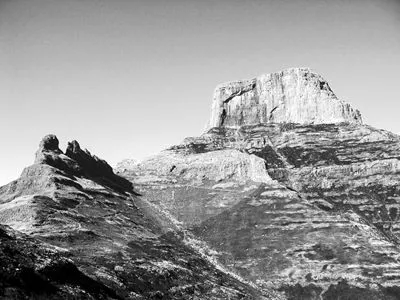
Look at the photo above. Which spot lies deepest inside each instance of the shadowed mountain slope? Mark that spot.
(33, 270)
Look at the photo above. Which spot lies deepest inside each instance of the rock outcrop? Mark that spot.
(105, 241)
(89, 163)
(323, 223)
(286, 196)
(49, 143)
(79, 163)
(291, 96)
(195, 169)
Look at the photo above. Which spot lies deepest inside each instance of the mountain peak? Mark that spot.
(49, 151)
(49, 142)
(91, 164)
(79, 163)
(294, 95)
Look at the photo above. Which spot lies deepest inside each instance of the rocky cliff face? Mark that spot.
(287, 196)
(291, 96)
(330, 214)
(323, 226)
(321, 222)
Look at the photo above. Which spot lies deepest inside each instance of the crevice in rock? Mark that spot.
(223, 117)
(239, 93)
(271, 113)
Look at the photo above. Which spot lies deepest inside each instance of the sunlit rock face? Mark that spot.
(325, 225)
(295, 95)
(301, 201)
(321, 220)
(195, 169)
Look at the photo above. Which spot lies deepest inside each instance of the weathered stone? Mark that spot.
(133, 249)
(287, 196)
(126, 164)
(49, 143)
(291, 96)
(89, 163)
(48, 148)
(329, 214)
(78, 162)
(198, 168)
(326, 223)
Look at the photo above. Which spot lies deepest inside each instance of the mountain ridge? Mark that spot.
(75, 203)
(323, 221)
(254, 208)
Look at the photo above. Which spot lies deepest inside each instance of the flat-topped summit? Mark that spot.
(296, 95)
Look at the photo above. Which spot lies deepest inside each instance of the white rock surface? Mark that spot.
(214, 166)
(295, 95)
(126, 164)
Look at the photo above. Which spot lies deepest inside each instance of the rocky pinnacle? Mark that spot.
(296, 95)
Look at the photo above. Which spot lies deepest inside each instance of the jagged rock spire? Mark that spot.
(48, 148)
(295, 95)
(49, 142)
(90, 163)
(78, 162)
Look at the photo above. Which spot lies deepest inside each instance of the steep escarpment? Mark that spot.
(321, 223)
(273, 232)
(116, 242)
(195, 186)
(329, 215)
(292, 96)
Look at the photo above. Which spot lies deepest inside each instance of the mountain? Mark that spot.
(83, 232)
(286, 195)
(295, 95)
(289, 187)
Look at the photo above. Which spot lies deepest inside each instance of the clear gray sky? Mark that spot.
(129, 78)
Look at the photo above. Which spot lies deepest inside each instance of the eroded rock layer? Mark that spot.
(287, 196)
(323, 226)
(292, 96)
(106, 241)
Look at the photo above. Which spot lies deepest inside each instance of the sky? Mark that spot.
(130, 78)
